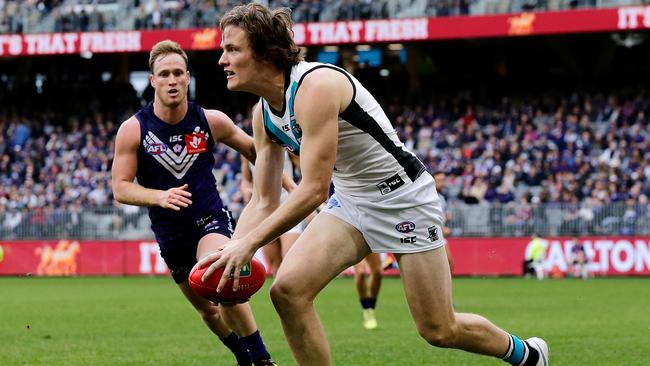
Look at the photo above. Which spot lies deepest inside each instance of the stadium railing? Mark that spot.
(549, 219)
(484, 220)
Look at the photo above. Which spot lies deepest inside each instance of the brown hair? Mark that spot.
(269, 32)
(163, 48)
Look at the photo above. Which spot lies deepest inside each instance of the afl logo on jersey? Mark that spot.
(405, 227)
(156, 149)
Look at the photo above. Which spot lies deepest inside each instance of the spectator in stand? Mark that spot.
(518, 222)
(476, 191)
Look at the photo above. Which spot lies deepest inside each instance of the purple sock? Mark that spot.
(255, 346)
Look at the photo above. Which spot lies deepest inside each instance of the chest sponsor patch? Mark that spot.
(390, 184)
(196, 143)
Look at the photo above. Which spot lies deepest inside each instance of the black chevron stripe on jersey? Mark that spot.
(356, 116)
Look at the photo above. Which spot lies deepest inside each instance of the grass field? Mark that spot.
(145, 321)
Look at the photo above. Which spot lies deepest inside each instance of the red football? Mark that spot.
(251, 279)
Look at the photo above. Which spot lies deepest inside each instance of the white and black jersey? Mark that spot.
(371, 161)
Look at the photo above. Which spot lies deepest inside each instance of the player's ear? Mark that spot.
(151, 81)
(189, 77)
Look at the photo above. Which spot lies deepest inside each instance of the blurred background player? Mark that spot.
(367, 277)
(441, 183)
(534, 257)
(168, 147)
(275, 251)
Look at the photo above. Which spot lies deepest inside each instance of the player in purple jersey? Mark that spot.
(168, 147)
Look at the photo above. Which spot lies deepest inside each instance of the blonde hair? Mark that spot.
(164, 48)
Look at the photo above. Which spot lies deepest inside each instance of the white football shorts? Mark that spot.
(407, 220)
(298, 229)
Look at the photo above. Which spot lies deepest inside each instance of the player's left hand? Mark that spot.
(232, 256)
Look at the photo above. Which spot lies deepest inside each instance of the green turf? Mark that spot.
(146, 321)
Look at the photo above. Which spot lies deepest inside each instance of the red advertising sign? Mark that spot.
(350, 32)
(104, 42)
(608, 256)
(71, 257)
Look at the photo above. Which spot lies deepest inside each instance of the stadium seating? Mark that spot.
(579, 165)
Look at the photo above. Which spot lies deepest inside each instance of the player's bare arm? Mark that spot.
(323, 95)
(246, 184)
(266, 191)
(125, 166)
(320, 99)
(265, 199)
(224, 129)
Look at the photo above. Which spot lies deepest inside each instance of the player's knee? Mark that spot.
(439, 336)
(283, 294)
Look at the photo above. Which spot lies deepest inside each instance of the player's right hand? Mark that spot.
(175, 198)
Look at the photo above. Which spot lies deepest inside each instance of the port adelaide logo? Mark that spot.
(433, 234)
(405, 227)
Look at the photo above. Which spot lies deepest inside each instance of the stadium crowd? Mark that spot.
(586, 154)
(97, 15)
(52, 168)
(18, 16)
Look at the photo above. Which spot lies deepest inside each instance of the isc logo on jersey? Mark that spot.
(156, 149)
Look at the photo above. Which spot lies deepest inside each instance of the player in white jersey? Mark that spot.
(384, 200)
